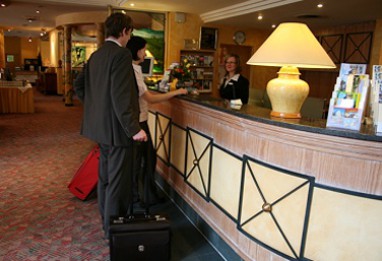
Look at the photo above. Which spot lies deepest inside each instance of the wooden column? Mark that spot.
(376, 51)
(2, 49)
(100, 34)
(68, 83)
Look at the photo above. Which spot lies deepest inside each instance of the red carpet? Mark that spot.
(39, 218)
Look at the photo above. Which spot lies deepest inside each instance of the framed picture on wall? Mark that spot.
(10, 58)
(208, 38)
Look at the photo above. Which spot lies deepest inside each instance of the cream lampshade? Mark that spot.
(291, 45)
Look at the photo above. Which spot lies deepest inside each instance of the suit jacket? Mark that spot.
(236, 89)
(108, 91)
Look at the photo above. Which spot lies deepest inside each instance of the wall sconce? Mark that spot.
(291, 45)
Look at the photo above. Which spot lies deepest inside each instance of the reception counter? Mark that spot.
(16, 99)
(273, 189)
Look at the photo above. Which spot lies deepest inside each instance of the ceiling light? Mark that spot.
(37, 11)
(132, 4)
(43, 32)
(30, 39)
(4, 3)
(320, 5)
(260, 17)
(31, 19)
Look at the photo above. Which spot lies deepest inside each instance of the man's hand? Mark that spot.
(140, 136)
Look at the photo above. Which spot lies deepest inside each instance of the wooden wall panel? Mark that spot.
(358, 47)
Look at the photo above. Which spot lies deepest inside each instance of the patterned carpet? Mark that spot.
(39, 218)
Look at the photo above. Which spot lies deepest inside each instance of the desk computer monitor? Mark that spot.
(147, 66)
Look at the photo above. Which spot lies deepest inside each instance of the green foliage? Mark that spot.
(155, 44)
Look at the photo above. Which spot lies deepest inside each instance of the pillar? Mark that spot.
(100, 34)
(376, 51)
(2, 49)
(68, 82)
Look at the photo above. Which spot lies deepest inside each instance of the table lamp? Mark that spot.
(291, 45)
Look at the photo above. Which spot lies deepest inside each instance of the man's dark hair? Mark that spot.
(115, 24)
(135, 44)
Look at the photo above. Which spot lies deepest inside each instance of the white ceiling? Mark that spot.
(238, 12)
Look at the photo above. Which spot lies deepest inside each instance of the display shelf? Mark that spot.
(201, 66)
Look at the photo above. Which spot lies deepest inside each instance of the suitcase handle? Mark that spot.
(146, 212)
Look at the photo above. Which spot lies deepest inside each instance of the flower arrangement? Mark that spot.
(182, 71)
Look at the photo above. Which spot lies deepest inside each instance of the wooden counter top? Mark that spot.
(259, 114)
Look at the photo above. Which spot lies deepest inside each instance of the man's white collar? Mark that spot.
(112, 39)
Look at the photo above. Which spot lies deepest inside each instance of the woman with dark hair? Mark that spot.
(146, 156)
(234, 85)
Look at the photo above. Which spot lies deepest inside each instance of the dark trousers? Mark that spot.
(116, 167)
(146, 160)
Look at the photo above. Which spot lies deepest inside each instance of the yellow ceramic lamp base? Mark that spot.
(287, 93)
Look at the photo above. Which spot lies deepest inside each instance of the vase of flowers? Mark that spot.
(182, 73)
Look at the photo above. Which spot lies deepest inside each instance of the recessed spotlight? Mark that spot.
(320, 5)
(37, 11)
(4, 3)
(260, 17)
(273, 26)
(132, 4)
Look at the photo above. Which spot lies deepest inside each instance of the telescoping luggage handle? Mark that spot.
(130, 214)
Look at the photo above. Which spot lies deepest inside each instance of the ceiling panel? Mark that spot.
(335, 12)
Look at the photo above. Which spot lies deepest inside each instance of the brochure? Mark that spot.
(376, 97)
(347, 104)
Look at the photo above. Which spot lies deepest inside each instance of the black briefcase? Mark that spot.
(139, 237)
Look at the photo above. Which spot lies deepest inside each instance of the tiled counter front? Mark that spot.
(272, 192)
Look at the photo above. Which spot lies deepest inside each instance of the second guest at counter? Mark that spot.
(234, 85)
(145, 151)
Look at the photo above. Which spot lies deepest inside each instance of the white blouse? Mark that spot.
(143, 105)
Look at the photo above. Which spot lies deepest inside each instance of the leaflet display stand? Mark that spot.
(348, 100)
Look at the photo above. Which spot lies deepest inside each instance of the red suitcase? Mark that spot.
(85, 180)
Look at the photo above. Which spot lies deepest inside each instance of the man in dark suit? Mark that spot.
(109, 94)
